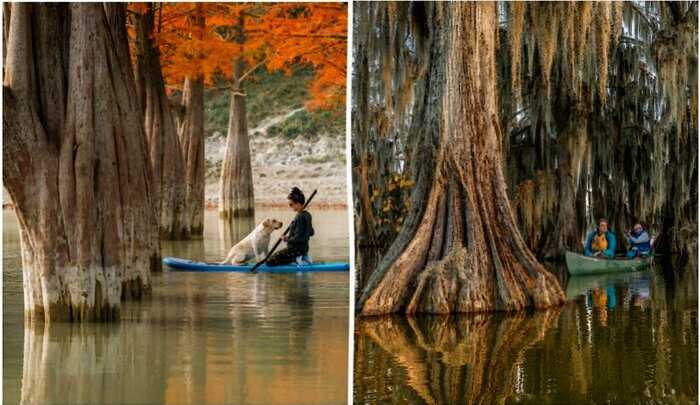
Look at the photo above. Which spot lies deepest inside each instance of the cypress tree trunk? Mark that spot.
(364, 163)
(75, 163)
(236, 198)
(192, 138)
(460, 250)
(6, 8)
(566, 234)
(164, 146)
(192, 135)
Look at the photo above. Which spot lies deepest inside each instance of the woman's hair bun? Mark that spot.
(296, 195)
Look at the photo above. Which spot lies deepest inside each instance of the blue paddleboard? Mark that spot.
(189, 265)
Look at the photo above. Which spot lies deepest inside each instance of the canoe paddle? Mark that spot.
(286, 231)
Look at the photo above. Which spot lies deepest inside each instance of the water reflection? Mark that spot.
(231, 231)
(192, 345)
(200, 339)
(194, 249)
(61, 360)
(620, 339)
(446, 360)
(608, 290)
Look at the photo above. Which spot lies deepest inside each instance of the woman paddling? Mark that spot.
(300, 230)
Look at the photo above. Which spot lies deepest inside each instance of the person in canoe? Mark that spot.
(300, 231)
(601, 241)
(639, 240)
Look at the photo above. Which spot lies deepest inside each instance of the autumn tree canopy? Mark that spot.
(220, 46)
(278, 36)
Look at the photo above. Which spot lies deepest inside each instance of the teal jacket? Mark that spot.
(612, 244)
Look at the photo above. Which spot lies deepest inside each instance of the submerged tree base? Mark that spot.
(88, 294)
(135, 289)
(459, 249)
(197, 232)
(237, 213)
(167, 234)
(76, 164)
(441, 284)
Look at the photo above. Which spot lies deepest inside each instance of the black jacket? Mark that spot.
(300, 230)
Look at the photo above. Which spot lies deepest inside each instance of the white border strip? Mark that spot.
(351, 209)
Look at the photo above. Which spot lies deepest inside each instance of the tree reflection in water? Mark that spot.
(472, 358)
(619, 339)
(233, 230)
(218, 338)
(61, 361)
(182, 347)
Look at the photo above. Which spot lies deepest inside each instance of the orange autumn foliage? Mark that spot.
(313, 34)
(278, 36)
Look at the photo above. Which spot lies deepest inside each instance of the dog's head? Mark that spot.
(272, 224)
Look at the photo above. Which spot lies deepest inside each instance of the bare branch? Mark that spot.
(253, 69)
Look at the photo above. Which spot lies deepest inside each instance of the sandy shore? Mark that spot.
(278, 165)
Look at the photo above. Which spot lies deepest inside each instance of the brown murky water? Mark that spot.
(215, 338)
(630, 338)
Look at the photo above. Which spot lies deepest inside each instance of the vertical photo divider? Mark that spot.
(351, 217)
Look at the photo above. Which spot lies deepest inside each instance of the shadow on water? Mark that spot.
(629, 338)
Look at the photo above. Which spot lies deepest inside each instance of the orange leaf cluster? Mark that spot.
(204, 38)
(313, 34)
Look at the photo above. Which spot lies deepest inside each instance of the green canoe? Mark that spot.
(579, 264)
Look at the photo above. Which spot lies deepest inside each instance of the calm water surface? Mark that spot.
(620, 339)
(220, 338)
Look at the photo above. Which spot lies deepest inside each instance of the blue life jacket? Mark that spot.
(642, 246)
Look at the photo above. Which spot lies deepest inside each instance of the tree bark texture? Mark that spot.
(192, 136)
(572, 148)
(362, 155)
(75, 162)
(166, 158)
(236, 196)
(460, 250)
(6, 9)
(190, 118)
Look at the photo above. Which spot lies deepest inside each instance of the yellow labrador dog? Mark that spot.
(255, 244)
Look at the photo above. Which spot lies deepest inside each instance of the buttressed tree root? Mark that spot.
(465, 252)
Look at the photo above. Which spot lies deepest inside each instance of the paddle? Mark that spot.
(261, 262)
